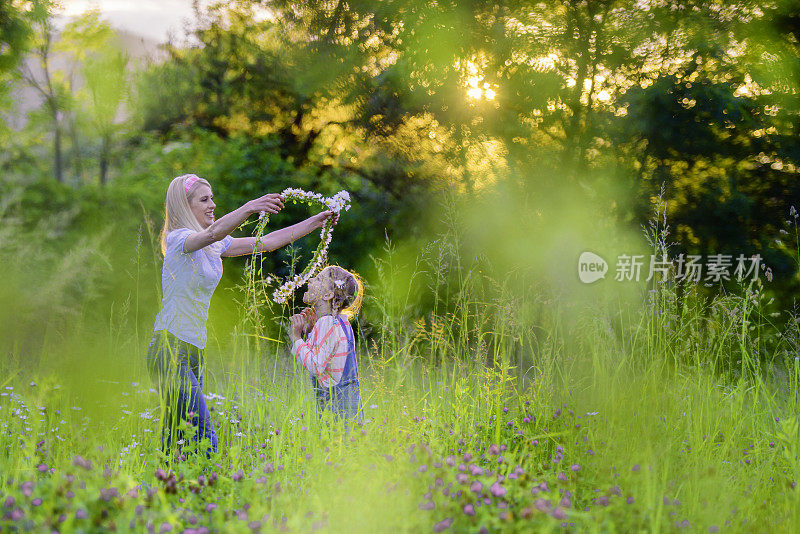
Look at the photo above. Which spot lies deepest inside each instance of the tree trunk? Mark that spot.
(104, 161)
(59, 165)
(77, 160)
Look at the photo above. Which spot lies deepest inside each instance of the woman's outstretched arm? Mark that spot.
(279, 238)
(271, 203)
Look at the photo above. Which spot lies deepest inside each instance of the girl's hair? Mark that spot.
(177, 213)
(348, 291)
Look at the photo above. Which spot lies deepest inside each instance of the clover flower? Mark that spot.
(497, 490)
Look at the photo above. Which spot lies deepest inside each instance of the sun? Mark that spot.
(474, 83)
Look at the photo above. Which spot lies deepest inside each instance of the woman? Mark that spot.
(193, 243)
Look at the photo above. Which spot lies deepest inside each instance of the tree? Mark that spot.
(38, 72)
(15, 36)
(81, 40)
(107, 81)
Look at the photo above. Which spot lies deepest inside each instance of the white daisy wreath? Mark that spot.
(337, 203)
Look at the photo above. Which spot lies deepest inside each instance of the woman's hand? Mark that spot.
(322, 217)
(269, 203)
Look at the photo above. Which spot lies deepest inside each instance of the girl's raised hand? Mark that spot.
(310, 316)
(269, 203)
(297, 324)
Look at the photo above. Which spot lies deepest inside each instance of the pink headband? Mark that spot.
(189, 181)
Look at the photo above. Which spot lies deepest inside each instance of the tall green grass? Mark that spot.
(658, 415)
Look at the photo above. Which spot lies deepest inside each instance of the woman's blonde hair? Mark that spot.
(348, 290)
(177, 213)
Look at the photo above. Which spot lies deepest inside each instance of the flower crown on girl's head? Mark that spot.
(348, 290)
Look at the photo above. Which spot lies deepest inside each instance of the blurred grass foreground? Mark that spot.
(487, 147)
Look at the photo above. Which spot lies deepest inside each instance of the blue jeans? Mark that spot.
(343, 400)
(176, 368)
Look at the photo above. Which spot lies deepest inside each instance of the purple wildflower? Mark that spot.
(80, 461)
(497, 490)
(543, 505)
(443, 525)
(108, 494)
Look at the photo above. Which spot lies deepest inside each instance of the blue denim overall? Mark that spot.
(177, 369)
(343, 399)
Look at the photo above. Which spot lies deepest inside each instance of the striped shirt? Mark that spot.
(324, 352)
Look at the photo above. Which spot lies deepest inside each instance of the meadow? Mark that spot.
(486, 146)
(505, 409)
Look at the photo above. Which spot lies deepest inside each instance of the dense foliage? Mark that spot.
(400, 101)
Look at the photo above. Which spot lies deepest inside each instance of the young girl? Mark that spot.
(328, 353)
